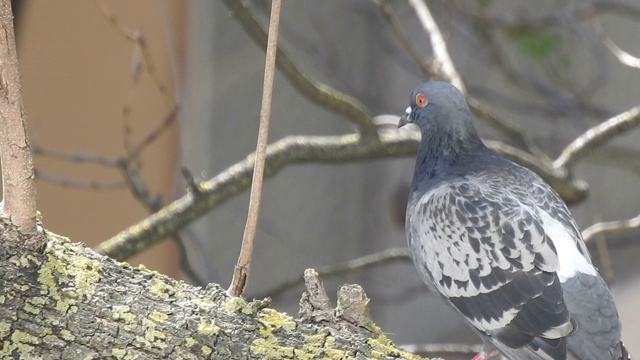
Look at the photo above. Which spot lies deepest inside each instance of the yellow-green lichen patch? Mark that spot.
(118, 353)
(161, 289)
(62, 306)
(31, 309)
(122, 312)
(155, 338)
(181, 354)
(383, 347)
(277, 320)
(37, 300)
(20, 344)
(190, 341)
(204, 303)
(142, 342)
(52, 322)
(24, 337)
(65, 262)
(153, 334)
(208, 328)
(158, 316)
(312, 347)
(320, 346)
(67, 335)
(5, 329)
(235, 304)
(206, 350)
(152, 337)
(20, 261)
(267, 345)
(270, 349)
(24, 261)
(338, 354)
(2, 299)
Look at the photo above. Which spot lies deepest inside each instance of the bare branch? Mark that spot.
(141, 44)
(293, 149)
(622, 56)
(79, 184)
(506, 126)
(573, 11)
(241, 270)
(440, 51)
(18, 189)
(317, 92)
(596, 136)
(79, 157)
(360, 263)
(450, 74)
(571, 190)
(298, 149)
(121, 163)
(611, 228)
(442, 349)
(388, 13)
(152, 135)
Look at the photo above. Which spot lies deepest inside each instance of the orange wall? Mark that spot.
(77, 75)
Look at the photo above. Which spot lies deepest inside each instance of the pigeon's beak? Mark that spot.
(406, 118)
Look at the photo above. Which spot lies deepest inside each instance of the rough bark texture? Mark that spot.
(67, 302)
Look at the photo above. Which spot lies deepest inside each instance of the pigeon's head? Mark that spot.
(437, 105)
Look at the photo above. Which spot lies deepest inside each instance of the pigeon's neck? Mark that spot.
(446, 151)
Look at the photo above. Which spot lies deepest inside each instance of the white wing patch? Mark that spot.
(493, 324)
(571, 260)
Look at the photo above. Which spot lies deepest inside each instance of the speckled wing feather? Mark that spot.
(488, 253)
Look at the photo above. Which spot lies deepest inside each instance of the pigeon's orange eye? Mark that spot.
(421, 100)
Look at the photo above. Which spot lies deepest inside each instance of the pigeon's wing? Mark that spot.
(490, 256)
(585, 293)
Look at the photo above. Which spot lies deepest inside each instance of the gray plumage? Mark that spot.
(500, 245)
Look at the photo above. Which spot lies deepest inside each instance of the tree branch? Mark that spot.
(610, 228)
(78, 183)
(440, 51)
(450, 74)
(597, 136)
(572, 11)
(70, 303)
(360, 263)
(622, 56)
(140, 43)
(442, 349)
(318, 93)
(298, 149)
(18, 189)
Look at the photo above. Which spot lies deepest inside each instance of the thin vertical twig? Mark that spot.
(241, 271)
(18, 189)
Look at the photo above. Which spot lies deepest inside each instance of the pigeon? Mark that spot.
(500, 245)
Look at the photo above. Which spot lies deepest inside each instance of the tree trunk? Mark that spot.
(67, 302)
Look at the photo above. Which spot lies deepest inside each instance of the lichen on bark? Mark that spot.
(67, 302)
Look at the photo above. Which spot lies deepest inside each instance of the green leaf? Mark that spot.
(534, 43)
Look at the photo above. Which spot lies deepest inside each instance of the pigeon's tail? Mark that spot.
(625, 353)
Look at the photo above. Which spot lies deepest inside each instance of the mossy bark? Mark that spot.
(67, 302)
